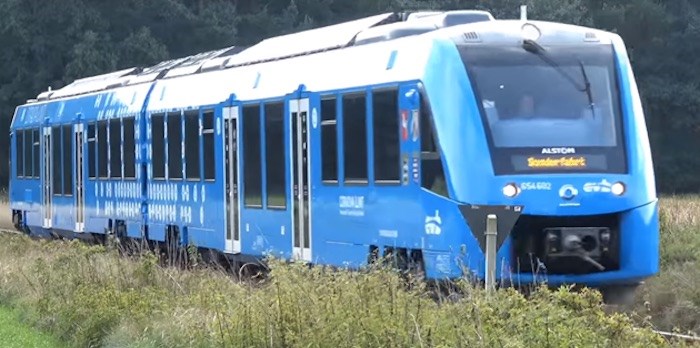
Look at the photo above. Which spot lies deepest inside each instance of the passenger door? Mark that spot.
(79, 179)
(299, 115)
(46, 177)
(230, 141)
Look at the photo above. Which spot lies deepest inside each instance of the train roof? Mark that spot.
(361, 31)
(355, 43)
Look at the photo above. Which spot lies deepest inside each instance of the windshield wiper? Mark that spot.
(588, 88)
(533, 47)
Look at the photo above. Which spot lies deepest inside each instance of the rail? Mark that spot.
(687, 338)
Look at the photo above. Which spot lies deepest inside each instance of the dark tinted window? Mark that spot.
(432, 174)
(27, 148)
(28, 153)
(103, 148)
(158, 145)
(385, 118)
(92, 150)
(56, 152)
(67, 160)
(252, 175)
(192, 144)
(129, 148)
(174, 145)
(115, 148)
(208, 145)
(19, 153)
(329, 140)
(36, 152)
(275, 153)
(355, 138)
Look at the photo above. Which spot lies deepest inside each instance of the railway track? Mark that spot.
(669, 336)
(693, 340)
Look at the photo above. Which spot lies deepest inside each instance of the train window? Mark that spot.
(67, 160)
(192, 147)
(355, 138)
(102, 148)
(115, 148)
(56, 160)
(275, 156)
(433, 175)
(158, 145)
(92, 150)
(19, 153)
(36, 152)
(129, 148)
(28, 153)
(174, 145)
(329, 141)
(385, 121)
(252, 174)
(208, 145)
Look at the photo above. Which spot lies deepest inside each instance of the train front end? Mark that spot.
(547, 116)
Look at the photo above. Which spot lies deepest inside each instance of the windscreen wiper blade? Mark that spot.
(588, 87)
(533, 47)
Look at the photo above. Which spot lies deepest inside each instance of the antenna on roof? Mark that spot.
(523, 12)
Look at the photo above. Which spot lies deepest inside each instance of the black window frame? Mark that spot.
(193, 160)
(115, 149)
(102, 150)
(252, 150)
(174, 129)
(158, 163)
(129, 147)
(209, 143)
(67, 150)
(430, 149)
(56, 153)
(19, 153)
(36, 153)
(381, 140)
(330, 172)
(92, 150)
(349, 139)
(275, 153)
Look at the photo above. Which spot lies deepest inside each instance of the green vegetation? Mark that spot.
(671, 301)
(14, 334)
(90, 296)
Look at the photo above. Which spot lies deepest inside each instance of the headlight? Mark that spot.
(511, 190)
(618, 188)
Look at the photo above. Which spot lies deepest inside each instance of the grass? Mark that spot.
(671, 300)
(15, 334)
(90, 296)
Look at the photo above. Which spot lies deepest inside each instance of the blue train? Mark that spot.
(391, 134)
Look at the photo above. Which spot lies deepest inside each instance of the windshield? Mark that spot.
(539, 103)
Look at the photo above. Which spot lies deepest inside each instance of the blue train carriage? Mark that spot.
(383, 136)
(74, 158)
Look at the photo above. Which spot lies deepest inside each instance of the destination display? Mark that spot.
(524, 163)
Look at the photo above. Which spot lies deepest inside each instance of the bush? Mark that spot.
(90, 296)
(671, 300)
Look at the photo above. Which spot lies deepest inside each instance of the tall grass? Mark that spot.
(671, 300)
(89, 297)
